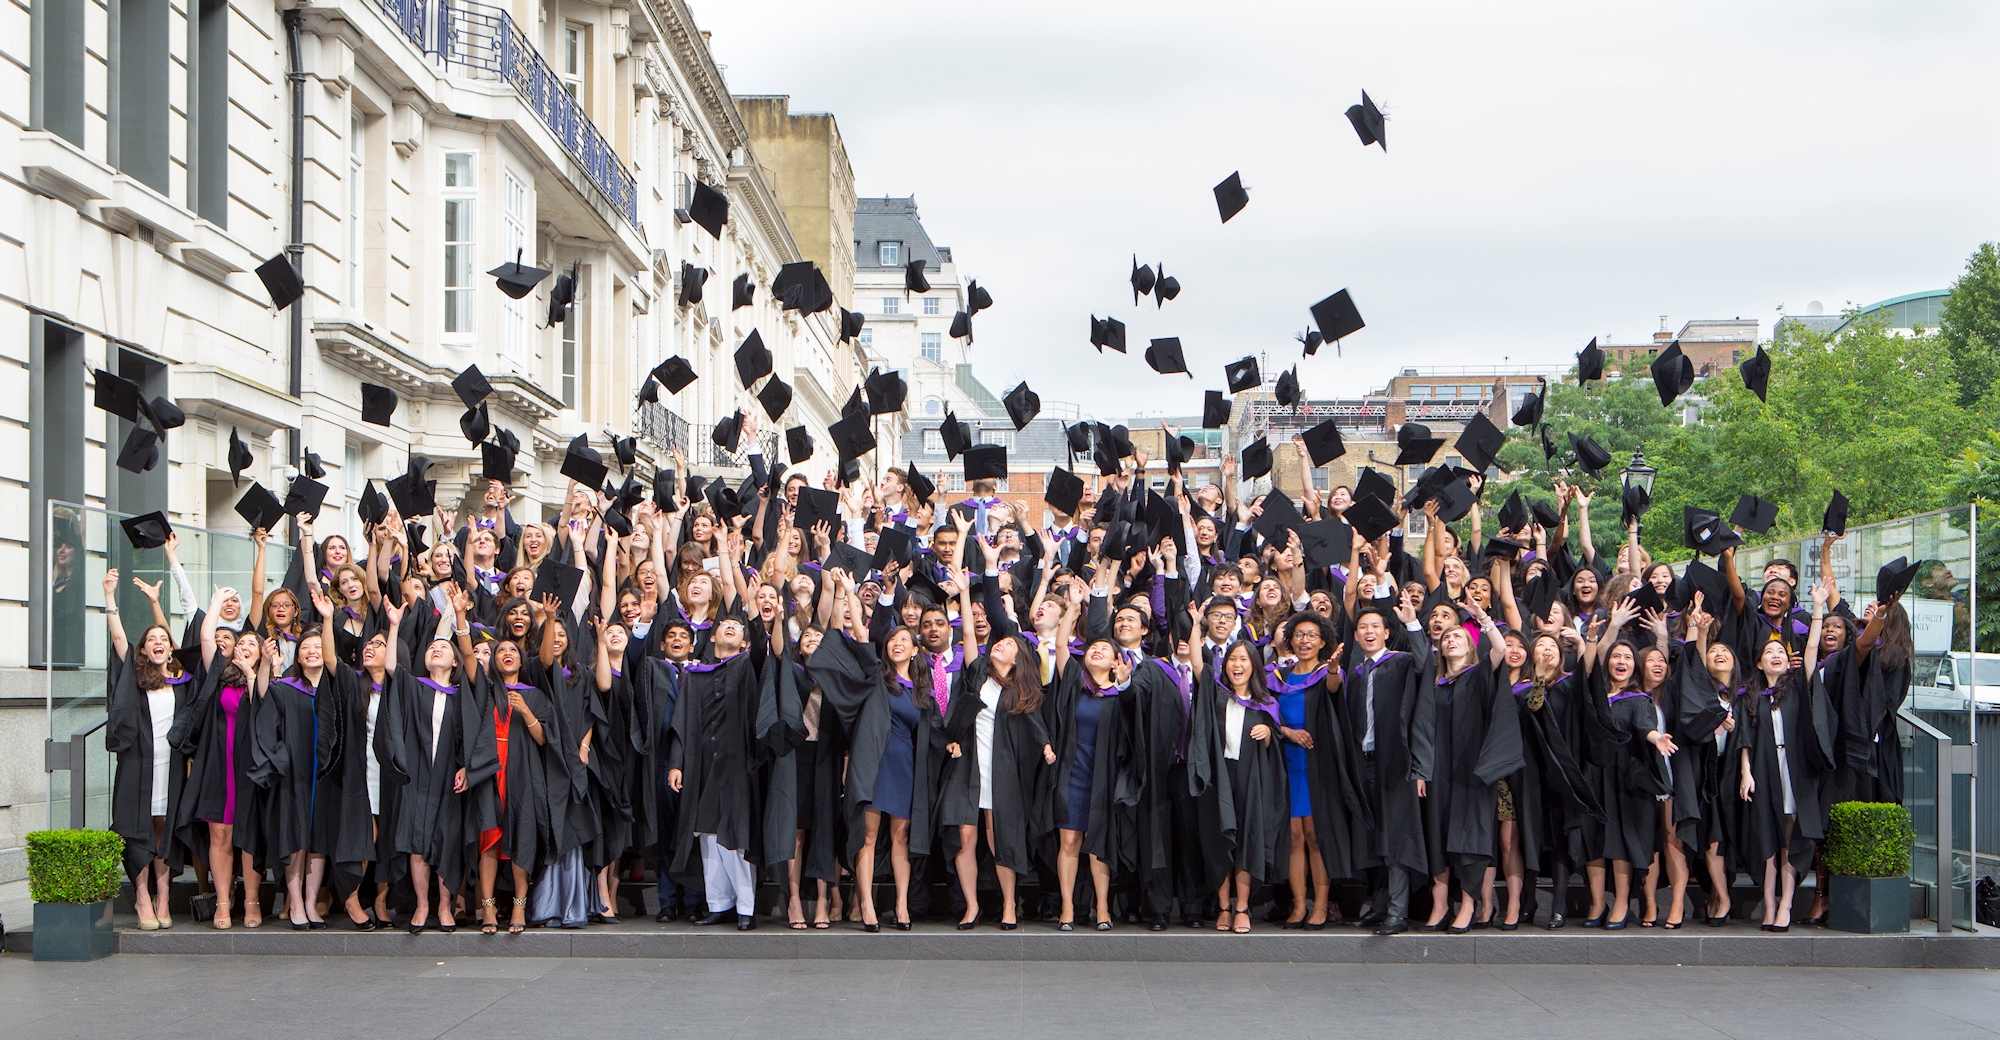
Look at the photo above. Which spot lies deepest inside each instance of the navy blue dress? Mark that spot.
(1089, 708)
(897, 780)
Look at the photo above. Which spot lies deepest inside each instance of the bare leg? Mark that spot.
(221, 867)
(519, 921)
(489, 870)
(1242, 924)
(295, 879)
(1066, 857)
(1594, 870)
(1647, 890)
(1440, 898)
(864, 869)
(1322, 885)
(1621, 891)
(1719, 901)
(1513, 864)
(1295, 873)
(420, 880)
(967, 865)
(1788, 878)
(795, 909)
(899, 865)
(355, 912)
(1005, 875)
(445, 902)
(1677, 879)
(1100, 880)
(253, 904)
(315, 875)
(1486, 886)
(1463, 919)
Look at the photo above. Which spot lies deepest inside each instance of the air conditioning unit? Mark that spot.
(683, 198)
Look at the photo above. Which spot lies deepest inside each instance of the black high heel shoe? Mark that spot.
(904, 926)
(966, 926)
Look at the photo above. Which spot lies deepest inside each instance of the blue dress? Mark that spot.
(1089, 708)
(1292, 713)
(897, 779)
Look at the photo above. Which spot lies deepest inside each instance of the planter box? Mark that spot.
(73, 932)
(1873, 906)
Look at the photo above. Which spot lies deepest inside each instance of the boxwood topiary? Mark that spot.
(1869, 840)
(74, 866)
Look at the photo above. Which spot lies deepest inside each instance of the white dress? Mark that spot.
(374, 767)
(1232, 730)
(1784, 765)
(989, 701)
(160, 704)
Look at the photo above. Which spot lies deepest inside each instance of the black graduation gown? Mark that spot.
(849, 674)
(613, 758)
(572, 801)
(300, 727)
(1161, 708)
(781, 728)
(1245, 807)
(1478, 744)
(1562, 718)
(825, 826)
(128, 734)
(714, 745)
(1762, 826)
(356, 842)
(1333, 772)
(433, 819)
(200, 735)
(1552, 797)
(1704, 807)
(1111, 832)
(1871, 751)
(528, 826)
(1405, 726)
(1023, 782)
(1629, 774)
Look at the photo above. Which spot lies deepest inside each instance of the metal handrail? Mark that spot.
(1953, 760)
(71, 755)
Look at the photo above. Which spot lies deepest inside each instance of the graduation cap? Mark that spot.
(1513, 515)
(1179, 451)
(775, 397)
(625, 448)
(1107, 332)
(1215, 409)
(1835, 520)
(1754, 514)
(581, 463)
(728, 433)
(1548, 446)
(1326, 542)
(1700, 577)
(372, 508)
(798, 444)
(814, 505)
(742, 292)
(141, 451)
(753, 359)
(475, 424)
(305, 495)
(892, 545)
(1118, 437)
(281, 280)
(801, 286)
(1311, 340)
(694, 487)
(1480, 442)
(1078, 437)
(1590, 362)
(472, 386)
(848, 557)
(414, 531)
(1646, 597)
(955, 436)
(1022, 404)
(976, 299)
(1142, 279)
(167, 415)
(1323, 443)
(496, 462)
(1416, 444)
(1368, 122)
(1230, 198)
(985, 462)
(920, 486)
(649, 391)
(1164, 355)
(709, 208)
(378, 404)
(1064, 492)
(961, 326)
(1371, 516)
(692, 280)
(188, 657)
(1454, 496)
(116, 394)
(851, 323)
(1757, 374)
(1337, 318)
(506, 436)
(1288, 392)
(1891, 580)
(1636, 500)
(1242, 375)
(664, 488)
(1278, 515)
(517, 279)
(310, 465)
(260, 508)
(674, 373)
(1588, 455)
(561, 295)
(147, 532)
(1530, 412)
(558, 578)
(1166, 288)
(1497, 548)
(1256, 458)
(886, 392)
(913, 277)
(240, 458)
(1373, 482)
(853, 436)
(1673, 373)
(619, 523)
(856, 404)
(1704, 532)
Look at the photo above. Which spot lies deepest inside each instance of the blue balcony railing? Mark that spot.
(475, 36)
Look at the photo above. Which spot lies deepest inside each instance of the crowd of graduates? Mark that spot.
(1166, 705)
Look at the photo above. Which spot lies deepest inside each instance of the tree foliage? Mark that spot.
(1970, 329)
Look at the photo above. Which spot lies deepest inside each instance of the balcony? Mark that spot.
(485, 40)
(660, 427)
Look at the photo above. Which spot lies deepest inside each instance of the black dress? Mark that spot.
(1629, 775)
(1097, 788)
(300, 729)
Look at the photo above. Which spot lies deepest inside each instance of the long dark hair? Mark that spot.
(232, 675)
(1021, 691)
(920, 669)
(150, 676)
(1634, 683)
(1260, 691)
(1894, 645)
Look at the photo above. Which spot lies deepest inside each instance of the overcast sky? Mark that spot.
(1555, 171)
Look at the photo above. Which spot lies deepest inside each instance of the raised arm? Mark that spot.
(1433, 545)
(210, 620)
(1583, 523)
(1822, 597)
(183, 589)
(152, 594)
(1500, 574)
(112, 625)
(1732, 579)
(261, 538)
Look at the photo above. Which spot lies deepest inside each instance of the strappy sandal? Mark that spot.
(520, 910)
(1242, 925)
(488, 927)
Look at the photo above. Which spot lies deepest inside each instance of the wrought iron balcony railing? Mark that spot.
(660, 427)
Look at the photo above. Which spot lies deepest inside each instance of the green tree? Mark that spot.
(1970, 328)
(1976, 479)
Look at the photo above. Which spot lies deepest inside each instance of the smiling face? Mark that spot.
(1219, 621)
(310, 654)
(768, 604)
(1129, 626)
(1517, 654)
(335, 551)
(533, 540)
(1777, 597)
(1270, 593)
(1661, 577)
(1774, 661)
(1832, 637)
(1307, 640)
(616, 638)
(728, 636)
(375, 652)
(282, 608)
(1454, 572)
(1371, 632)
(156, 645)
(902, 646)
(1548, 654)
(1480, 591)
(1721, 661)
(507, 657)
(1655, 667)
(1238, 666)
(809, 641)
(678, 643)
(519, 618)
(1621, 664)
(245, 653)
(438, 656)
(1584, 586)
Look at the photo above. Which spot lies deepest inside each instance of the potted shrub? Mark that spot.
(1868, 854)
(72, 877)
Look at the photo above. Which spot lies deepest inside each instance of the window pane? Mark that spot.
(930, 305)
(458, 170)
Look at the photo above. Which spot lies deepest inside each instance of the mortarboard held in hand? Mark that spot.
(1754, 514)
(1835, 520)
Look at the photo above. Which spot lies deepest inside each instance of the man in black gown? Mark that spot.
(710, 758)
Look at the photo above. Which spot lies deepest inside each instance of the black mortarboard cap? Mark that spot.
(1179, 450)
(1754, 514)
(625, 448)
(240, 458)
(167, 415)
(1454, 497)
(562, 293)
(753, 359)
(1513, 515)
(886, 392)
(1242, 375)
(1142, 280)
(649, 391)
(373, 507)
(851, 323)
(665, 488)
(305, 495)
(517, 279)
(674, 373)
(913, 277)
(1323, 443)
(1835, 520)
(1064, 493)
(1548, 446)
(1164, 355)
(1530, 412)
(1757, 374)
(798, 444)
(558, 578)
(1310, 340)
(1700, 577)
(1288, 392)
(141, 451)
(1256, 459)
(281, 280)
(1416, 444)
(1893, 578)
(116, 394)
(955, 436)
(1646, 597)
(857, 404)
(310, 465)
(920, 486)
(985, 462)
(475, 424)
(1703, 531)
(853, 436)
(1590, 362)
(692, 280)
(1480, 442)
(1118, 437)
(414, 531)
(709, 208)
(260, 508)
(188, 657)
(1502, 547)
(694, 484)
(1230, 198)
(1022, 404)
(728, 432)
(1166, 288)
(1369, 125)
(976, 298)
(583, 464)
(1545, 513)
(1371, 516)
(1373, 482)
(961, 326)
(1337, 317)
(892, 545)
(1107, 332)
(414, 495)
(1078, 437)
(850, 558)
(378, 404)
(1326, 542)
(775, 397)
(1635, 501)
(1278, 515)
(618, 522)
(147, 532)
(1215, 408)
(472, 386)
(1106, 458)
(814, 505)
(496, 462)
(742, 292)
(1673, 373)
(1589, 455)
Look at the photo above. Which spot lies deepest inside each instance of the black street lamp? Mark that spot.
(1639, 473)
